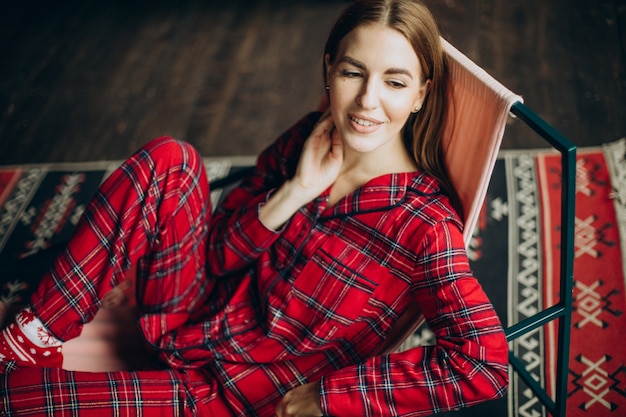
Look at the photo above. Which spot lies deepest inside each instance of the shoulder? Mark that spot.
(280, 158)
(425, 194)
(417, 208)
(426, 205)
(290, 143)
(301, 129)
(436, 230)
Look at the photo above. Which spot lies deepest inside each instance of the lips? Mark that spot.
(363, 122)
(363, 125)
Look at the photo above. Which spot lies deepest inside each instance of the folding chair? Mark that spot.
(474, 131)
(474, 128)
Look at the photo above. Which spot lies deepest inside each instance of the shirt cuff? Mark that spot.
(336, 398)
(258, 236)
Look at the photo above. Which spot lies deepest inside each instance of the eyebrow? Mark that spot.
(360, 65)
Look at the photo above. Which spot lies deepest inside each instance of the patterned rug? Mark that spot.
(514, 252)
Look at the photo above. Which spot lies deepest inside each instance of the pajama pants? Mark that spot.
(152, 212)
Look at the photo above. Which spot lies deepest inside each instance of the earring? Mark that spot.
(327, 87)
(416, 109)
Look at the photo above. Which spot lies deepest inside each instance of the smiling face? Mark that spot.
(374, 83)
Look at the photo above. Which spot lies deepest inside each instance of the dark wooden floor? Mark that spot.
(93, 80)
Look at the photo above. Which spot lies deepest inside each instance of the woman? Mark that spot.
(280, 302)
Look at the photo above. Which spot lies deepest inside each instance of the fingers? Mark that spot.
(336, 144)
(325, 115)
(303, 401)
(322, 138)
(281, 409)
(320, 160)
(323, 125)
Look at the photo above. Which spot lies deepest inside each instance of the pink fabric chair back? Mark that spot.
(473, 131)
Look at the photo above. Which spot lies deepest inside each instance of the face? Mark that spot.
(374, 85)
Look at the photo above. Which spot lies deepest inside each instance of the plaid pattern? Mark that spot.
(153, 211)
(276, 309)
(59, 393)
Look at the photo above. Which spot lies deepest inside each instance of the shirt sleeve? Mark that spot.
(467, 365)
(236, 235)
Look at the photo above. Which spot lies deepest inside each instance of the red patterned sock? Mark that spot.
(29, 343)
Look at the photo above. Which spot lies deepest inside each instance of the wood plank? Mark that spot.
(557, 54)
(95, 80)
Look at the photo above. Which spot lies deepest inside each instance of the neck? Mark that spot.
(358, 168)
(369, 165)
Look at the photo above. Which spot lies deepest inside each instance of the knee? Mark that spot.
(175, 153)
(176, 167)
(171, 148)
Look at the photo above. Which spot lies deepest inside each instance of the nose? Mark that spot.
(369, 96)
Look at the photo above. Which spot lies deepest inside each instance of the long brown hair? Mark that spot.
(423, 131)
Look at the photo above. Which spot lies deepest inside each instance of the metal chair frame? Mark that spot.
(561, 311)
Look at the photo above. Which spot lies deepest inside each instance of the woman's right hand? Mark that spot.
(318, 168)
(320, 161)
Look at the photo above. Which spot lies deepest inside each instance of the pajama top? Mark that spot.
(317, 298)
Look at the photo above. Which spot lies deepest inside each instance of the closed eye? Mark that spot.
(396, 84)
(351, 73)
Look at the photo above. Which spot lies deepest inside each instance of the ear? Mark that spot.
(421, 96)
(327, 65)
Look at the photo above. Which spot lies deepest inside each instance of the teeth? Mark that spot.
(362, 122)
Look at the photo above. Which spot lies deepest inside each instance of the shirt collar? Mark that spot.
(380, 193)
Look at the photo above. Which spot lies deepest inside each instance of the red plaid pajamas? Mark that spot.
(152, 211)
(59, 393)
(242, 314)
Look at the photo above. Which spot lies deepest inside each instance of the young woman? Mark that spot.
(280, 302)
